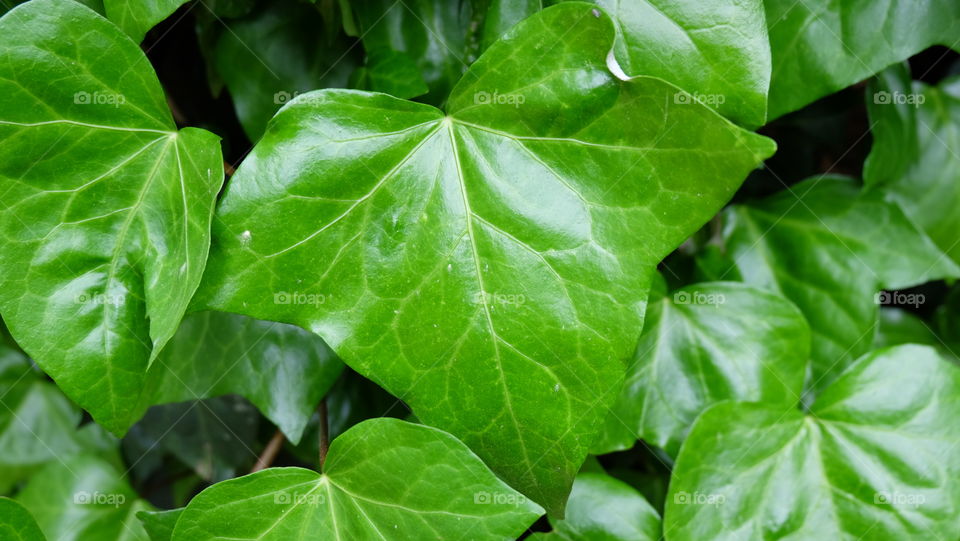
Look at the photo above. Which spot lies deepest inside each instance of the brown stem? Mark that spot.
(324, 432)
(228, 169)
(269, 452)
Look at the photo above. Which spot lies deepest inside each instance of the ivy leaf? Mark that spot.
(830, 249)
(160, 524)
(137, 17)
(37, 423)
(822, 46)
(502, 15)
(383, 479)
(275, 53)
(106, 208)
(704, 344)
(915, 158)
(211, 436)
(898, 327)
(716, 50)
(869, 458)
(390, 72)
(85, 499)
(482, 265)
(602, 508)
(433, 33)
(17, 524)
(283, 370)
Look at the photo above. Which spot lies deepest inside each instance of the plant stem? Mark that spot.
(269, 452)
(324, 432)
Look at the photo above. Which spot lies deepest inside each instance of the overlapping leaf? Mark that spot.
(17, 524)
(106, 207)
(915, 159)
(871, 460)
(831, 249)
(136, 17)
(822, 46)
(482, 265)
(383, 479)
(707, 343)
(602, 508)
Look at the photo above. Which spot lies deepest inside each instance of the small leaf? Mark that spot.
(489, 266)
(822, 46)
(107, 207)
(17, 524)
(160, 524)
(137, 17)
(391, 72)
(383, 479)
(84, 499)
(602, 508)
(831, 249)
(707, 343)
(870, 461)
(915, 159)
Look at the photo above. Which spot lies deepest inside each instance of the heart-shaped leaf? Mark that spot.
(915, 159)
(869, 461)
(822, 46)
(707, 343)
(482, 265)
(602, 508)
(830, 249)
(383, 479)
(106, 207)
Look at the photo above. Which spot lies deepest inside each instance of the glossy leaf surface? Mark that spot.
(704, 344)
(870, 461)
(383, 479)
(831, 250)
(106, 209)
(482, 265)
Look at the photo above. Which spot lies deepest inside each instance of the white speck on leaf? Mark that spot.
(245, 238)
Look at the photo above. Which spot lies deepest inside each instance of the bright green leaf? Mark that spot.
(482, 265)
(84, 499)
(106, 208)
(383, 479)
(160, 524)
(915, 159)
(830, 249)
(707, 343)
(136, 17)
(276, 53)
(602, 508)
(17, 524)
(822, 46)
(282, 369)
(871, 461)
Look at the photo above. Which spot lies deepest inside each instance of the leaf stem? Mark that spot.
(269, 452)
(324, 432)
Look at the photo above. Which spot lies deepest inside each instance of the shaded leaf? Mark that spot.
(136, 17)
(160, 524)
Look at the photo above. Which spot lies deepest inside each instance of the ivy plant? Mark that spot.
(484, 269)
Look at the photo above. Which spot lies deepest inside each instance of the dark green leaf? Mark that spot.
(830, 249)
(383, 479)
(502, 15)
(106, 208)
(602, 508)
(136, 17)
(482, 265)
(872, 460)
(160, 524)
(899, 326)
(822, 46)
(391, 72)
(915, 159)
(707, 343)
